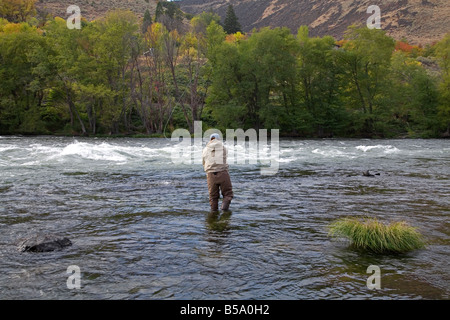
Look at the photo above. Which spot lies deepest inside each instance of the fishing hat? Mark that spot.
(214, 136)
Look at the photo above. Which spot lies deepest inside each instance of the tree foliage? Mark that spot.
(17, 10)
(147, 21)
(231, 22)
(120, 75)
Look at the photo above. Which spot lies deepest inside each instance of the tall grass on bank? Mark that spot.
(373, 235)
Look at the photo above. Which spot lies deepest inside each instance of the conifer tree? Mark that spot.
(147, 21)
(231, 23)
(159, 11)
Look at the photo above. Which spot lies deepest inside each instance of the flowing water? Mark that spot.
(141, 228)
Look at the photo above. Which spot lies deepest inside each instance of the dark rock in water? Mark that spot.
(368, 174)
(44, 243)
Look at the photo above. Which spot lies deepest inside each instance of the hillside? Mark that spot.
(419, 21)
(92, 9)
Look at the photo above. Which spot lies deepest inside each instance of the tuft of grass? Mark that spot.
(373, 235)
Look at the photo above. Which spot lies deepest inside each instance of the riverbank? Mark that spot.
(444, 135)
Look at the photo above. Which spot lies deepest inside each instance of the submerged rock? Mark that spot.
(44, 243)
(368, 174)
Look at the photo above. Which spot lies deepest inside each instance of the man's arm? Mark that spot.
(225, 154)
(203, 157)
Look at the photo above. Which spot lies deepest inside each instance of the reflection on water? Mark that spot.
(141, 229)
(218, 221)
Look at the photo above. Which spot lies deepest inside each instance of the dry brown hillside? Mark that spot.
(92, 9)
(419, 21)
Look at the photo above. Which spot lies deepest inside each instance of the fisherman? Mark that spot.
(214, 158)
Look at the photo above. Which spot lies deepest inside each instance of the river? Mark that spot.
(141, 228)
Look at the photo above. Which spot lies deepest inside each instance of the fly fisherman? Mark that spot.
(214, 159)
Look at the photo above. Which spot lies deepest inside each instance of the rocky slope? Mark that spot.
(418, 21)
(93, 9)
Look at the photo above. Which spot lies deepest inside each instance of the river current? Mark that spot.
(141, 228)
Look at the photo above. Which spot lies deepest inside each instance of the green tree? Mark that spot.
(147, 21)
(17, 10)
(366, 57)
(231, 22)
(215, 37)
(193, 61)
(157, 102)
(319, 86)
(223, 102)
(116, 42)
(63, 60)
(93, 70)
(413, 98)
(253, 81)
(159, 11)
(169, 14)
(20, 95)
(442, 51)
(201, 22)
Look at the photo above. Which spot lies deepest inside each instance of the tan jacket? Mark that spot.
(214, 156)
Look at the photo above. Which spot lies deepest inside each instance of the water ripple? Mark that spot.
(141, 228)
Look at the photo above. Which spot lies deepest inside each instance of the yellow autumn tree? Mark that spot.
(17, 10)
(235, 37)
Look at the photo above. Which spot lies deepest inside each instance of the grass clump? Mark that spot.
(373, 235)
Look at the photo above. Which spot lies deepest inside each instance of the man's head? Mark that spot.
(214, 136)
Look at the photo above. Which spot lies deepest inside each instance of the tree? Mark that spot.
(194, 51)
(253, 81)
(156, 101)
(444, 105)
(215, 36)
(223, 102)
(201, 22)
(17, 10)
(231, 22)
(20, 96)
(115, 43)
(366, 57)
(169, 14)
(318, 74)
(412, 96)
(93, 68)
(442, 51)
(159, 11)
(64, 61)
(147, 21)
